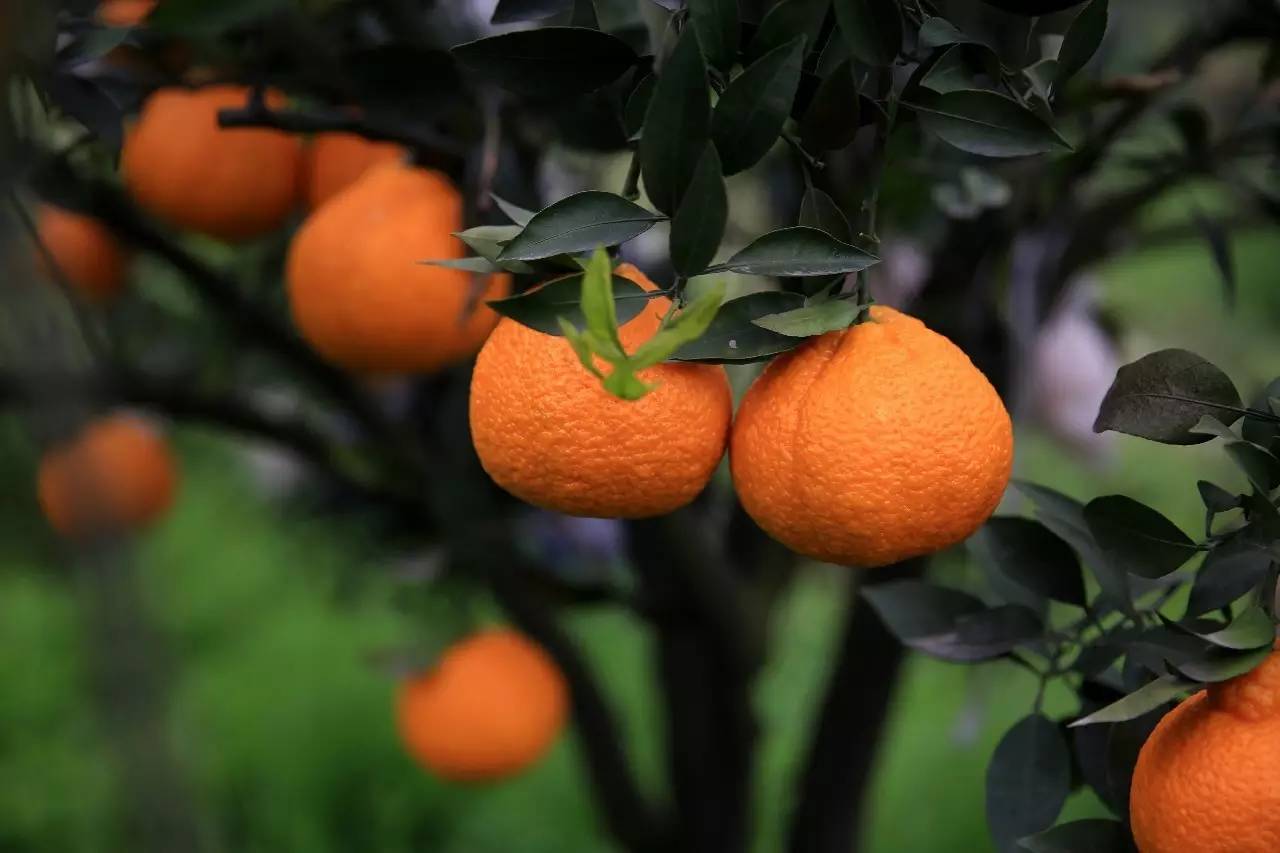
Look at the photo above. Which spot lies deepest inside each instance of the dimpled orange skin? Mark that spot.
(547, 432)
(234, 183)
(125, 13)
(1208, 777)
(335, 161)
(358, 291)
(117, 475)
(870, 445)
(492, 706)
(84, 250)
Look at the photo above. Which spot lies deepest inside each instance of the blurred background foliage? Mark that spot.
(274, 623)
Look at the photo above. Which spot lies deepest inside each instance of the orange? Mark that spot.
(334, 161)
(872, 444)
(1208, 777)
(125, 13)
(491, 707)
(84, 251)
(358, 291)
(234, 184)
(116, 475)
(547, 432)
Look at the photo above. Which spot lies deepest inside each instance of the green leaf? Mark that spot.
(677, 125)
(1143, 700)
(1260, 430)
(563, 60)
(733, 336)
(685, 327)
(1162, 396)
(514, 212)
(1217, 499)
(597, 300)
(984, 635)
(1252, 629)
(936, 31)
(872, 29)
(1094, 835)
(1223, 666)
(542, 308)
(752, 110)
(1028, 780)
(1232, 569)
(623, 383)
(958, 67)
(1258, 464)
(835, 113)
(1136, 538)
(488, 240)
(785, 21)
(950, 624)
(202, 18)
(816, 319)
(578, 223)
(717, 24)
(1043, 77)
(819, 210)
(698, 226)
(1030, 555)
(1082, 40)
(581, 346)
(584, 15)
(1065, 517)
(797, 251)
(984, 123)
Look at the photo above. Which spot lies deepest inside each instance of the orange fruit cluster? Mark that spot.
(117, 475)
(547, 431)
(1208, 778)
(492, 706)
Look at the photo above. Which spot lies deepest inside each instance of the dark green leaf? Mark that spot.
(983, 635)
(584, 15)
(1065, 517)
(580, 222)
(698, 225)
(488, 240)
(819, 210)
(1028, 780)
(202, 18)
(1252, 629)
(1217, 499)
(1230, 570)
(1223, 666)
(1136, 538)
(960, 67)
(475, 264)
(83, 99)
(835, 113)
(816, 319)
(1082, 39)
(717, 24)
(1259, 430)
(911, 609)
(984, 123)
(685, 327)
(511, 11)
(1029, 554)
(1042, 76)
(1032, 8)
(872, 29)
(750, 114)
(1139, 702)
(797, 251)
(540, 308)
(786, 21)
(1163, 395)
(514, 212)
(935, 32)
(677, 125)
(560, 60)
(1262, 469)
(1219, 243)
(638, 105)
(1094, 835)
(733, 336)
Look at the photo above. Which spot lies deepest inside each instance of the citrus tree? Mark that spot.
(386, 169)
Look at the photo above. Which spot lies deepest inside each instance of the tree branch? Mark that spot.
(831, 794)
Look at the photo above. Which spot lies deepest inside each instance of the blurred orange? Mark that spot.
(84, 250)
(125, 13)
(334, 161)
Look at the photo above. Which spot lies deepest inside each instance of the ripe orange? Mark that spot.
(234, 184)
(334, 161)
(870, 445)
(125, 13)
(117, 475)
(84, 250)
(491, 707)
(358, 292)
(1208, 777)
(547, 432)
